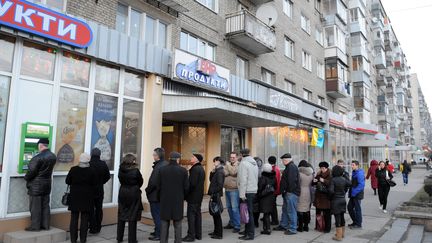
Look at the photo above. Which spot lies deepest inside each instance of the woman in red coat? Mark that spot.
(372, 176)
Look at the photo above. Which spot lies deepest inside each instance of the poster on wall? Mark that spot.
(70, 135)
(104, 127)
(4, 98)
(131, 134)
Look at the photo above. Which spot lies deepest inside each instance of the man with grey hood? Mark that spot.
(247, 181)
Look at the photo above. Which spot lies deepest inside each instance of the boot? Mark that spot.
(338, 236)
(306, 221)
(343, 231)
(300, 221)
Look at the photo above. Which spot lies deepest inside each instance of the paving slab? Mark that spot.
(415, 234)
(53, 235)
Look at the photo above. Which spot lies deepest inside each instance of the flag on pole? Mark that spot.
(317, 137)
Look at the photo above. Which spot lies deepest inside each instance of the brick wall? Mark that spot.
(104, 11)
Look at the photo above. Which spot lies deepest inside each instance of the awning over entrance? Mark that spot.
(207, 109)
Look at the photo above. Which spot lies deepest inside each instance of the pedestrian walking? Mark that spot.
(322, 198)
(290, 189)
(406, 169)
(129, 198)
(102, 175)
(356, 194)
(256, 209)
(217, 177)
(38, 178)
(266, 196)
(152, 191)
(247, 183)
(194, 199)
(305, 199)
(339, 186)
(82, 181)
(372, 176)
(274, 215)
(232, 193)
(174, 186)
(383, 175)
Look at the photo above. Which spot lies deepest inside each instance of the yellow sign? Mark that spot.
(167, 128)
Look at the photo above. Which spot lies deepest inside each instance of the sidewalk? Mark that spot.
(374, 220)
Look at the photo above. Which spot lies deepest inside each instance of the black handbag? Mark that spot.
(215, 205)
(65, 198)
(321, 187)
(391, 182)
(268, 190)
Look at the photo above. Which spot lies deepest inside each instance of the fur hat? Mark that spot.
(267, 168)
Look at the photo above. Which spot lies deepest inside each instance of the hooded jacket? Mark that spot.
(371, 174)
(306, 177)
(247, 176)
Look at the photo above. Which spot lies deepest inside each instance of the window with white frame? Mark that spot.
(320, 70)
(306, 60)
(288, 8)
(268, 76)
(289, 86)
(211, 4)
(334, 36)
(317, 5)
(307, 95)
(321, 101)
(57, 4)
(319, 36)
(354, 14)
(197, 46)
(242, 67)
(289, 48)
(305, 24)
(141, 26)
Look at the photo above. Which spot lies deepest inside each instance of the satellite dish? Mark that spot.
(267, 13)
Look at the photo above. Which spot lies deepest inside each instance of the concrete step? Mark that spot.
(396, 232)
(414, 234)
(53, 235)
(427, 238)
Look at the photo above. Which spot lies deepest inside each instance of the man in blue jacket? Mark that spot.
(356, 194)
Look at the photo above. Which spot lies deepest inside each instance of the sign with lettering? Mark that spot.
(201, 72)
(284, 102)
(41, 21)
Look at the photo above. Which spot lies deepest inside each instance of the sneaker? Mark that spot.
(381, 207)
(384, 211)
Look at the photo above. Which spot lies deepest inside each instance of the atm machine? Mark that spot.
(30, 134)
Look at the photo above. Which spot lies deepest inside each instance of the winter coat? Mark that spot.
(247, 176)
(276, 169)
(129, 198)
(266, 202)
(306, 177)
(152, 189)
(102, 175)
(290, 180)
(357, 184)
(174, 186)
(82, 182)
(371, 174)
(382, 177)
(322, 200)
(230, 183)
(39, 173)
(217, 178)
(339, 186)
(196, 184)
(406, 168)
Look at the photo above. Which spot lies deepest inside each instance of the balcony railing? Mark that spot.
(337, 89)
(248, 32)
(380, 60)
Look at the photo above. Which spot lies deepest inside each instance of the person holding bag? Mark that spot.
(322, 199)
(383, 175)
(266, 196)
(217, 177)
(304, 204)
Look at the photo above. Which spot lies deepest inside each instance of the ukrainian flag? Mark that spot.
(317, 137)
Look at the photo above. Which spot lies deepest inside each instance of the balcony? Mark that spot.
(378, 41)
(246, 31)
(382, 98)
(337, 89)
(381, 80)
(259, 2)
(359, 50)
(360, 76)
(358, 26)
(361, 103)
(336, 52)
(380, 60)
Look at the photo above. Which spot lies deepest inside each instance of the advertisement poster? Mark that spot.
(104, 127)
(131, 134)
(71, 122)
(4, 98)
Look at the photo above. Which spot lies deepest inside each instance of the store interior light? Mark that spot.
(74, 109)
(31, 140)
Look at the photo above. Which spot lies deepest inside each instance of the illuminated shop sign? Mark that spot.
(37, 20)
(200, 72)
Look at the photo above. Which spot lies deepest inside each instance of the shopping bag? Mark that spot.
(244, 213)
(320, 222)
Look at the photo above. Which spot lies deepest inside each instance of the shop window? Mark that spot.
(134, 85)
(107, 78)
(232, 139)
(75, 69)
(18, 200)
(4, 102)
(71, 124)
(104, 125)
(6, 53)
(38, 61)
(132, 129)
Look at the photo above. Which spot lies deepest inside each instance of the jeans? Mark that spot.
(195, 221)
(73, 227)
(165, 224)
(132, 231)
(289, 212)
(383, 191)
(155, 212)
(40, 212)
(250, 226)
(405, 178)
(355, 212)
(96, 215)
(233, 206)
(340, 220)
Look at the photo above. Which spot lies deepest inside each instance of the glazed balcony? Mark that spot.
(380, 59)
(246, 31)
(381, 80)
(337, 88)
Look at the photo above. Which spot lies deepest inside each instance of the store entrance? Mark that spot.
(232, 139)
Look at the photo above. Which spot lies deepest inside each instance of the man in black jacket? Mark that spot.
(290, 190)
(194, 199)
(152, 191)
(102, 176)
(38, 179)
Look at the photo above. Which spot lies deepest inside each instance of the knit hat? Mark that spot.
(267, 168)
(199, 157)
(272, 160)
